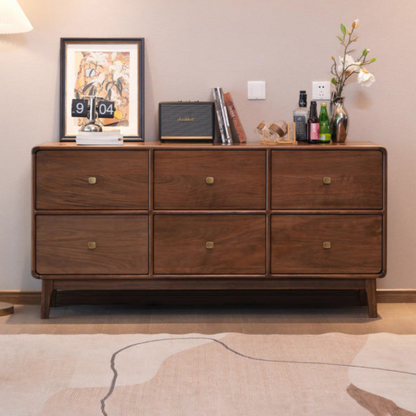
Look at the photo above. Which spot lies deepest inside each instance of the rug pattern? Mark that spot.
(194, 374)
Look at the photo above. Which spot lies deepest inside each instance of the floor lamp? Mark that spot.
(12, 20)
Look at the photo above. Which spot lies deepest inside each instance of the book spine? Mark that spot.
(98, 141)
(228, 135)
(217, 101)
(239, 133)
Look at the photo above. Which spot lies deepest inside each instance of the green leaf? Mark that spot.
(372, 60)
(340, 38)
(119, 86)
(365, 52)
(86, 87)
(343, 30)
(334, 81)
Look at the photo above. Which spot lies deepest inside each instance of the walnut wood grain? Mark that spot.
(370, 288)
(62, 244)
(152, 211)
(62, 179)
(47, 289)
(252, 145)
(210, 284)
(356, 179)
(356, 244)
(239, 277)
(239, 179)
(180, 244)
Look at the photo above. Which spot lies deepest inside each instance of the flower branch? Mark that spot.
(347, 66)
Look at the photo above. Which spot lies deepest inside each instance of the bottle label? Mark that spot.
(314, 132)
(301, 132)
(325, 138)
(324, 132)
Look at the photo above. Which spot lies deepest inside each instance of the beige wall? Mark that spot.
(192, 46)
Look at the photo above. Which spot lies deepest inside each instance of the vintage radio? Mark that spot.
(186, 121)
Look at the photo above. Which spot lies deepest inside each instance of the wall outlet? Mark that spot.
(321, 90)
(256, 90)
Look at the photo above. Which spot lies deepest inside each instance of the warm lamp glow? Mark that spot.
(12, 18)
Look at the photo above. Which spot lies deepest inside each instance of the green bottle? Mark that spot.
(324, 126)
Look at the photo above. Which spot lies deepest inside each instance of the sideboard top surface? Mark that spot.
(351, 145)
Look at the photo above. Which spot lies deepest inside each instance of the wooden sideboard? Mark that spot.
(155, 216)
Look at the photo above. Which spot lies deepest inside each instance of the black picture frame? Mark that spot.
(125, 57)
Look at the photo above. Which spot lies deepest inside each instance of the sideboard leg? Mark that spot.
(370, 287)
(47, 289)
(363, 297)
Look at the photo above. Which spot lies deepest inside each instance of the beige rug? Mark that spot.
(200, 375)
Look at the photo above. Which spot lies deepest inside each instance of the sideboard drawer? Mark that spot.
(210, 179)
(92, 244)
(327, 179)
(326, 244)
(85, 179)
(209, 244)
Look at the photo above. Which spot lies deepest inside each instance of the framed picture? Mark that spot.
(109, 68)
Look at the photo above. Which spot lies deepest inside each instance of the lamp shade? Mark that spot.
(12, 18)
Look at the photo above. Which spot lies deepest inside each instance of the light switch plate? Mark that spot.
(256, 90)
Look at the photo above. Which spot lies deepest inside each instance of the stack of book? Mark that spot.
(229, 123)
(100, 138)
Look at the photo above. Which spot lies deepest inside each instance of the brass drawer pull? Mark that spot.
(209, 180)
(92, 245)
(209, 244)
(326, 245)
(92, 180)
(326, 180)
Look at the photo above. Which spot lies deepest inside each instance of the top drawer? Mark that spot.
(327, 179)
(210, 179)
(92, 179)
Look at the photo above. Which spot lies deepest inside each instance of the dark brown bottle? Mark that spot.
(313, 124)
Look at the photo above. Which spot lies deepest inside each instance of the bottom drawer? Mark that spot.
(307, 244)
(209, 244)
(92, 244)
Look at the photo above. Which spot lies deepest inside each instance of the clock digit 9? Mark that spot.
(79, 108)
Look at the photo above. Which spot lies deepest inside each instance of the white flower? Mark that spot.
(98, 58)
(119, 71)
(365, 78)
(99, 80)
(356, 23)
(349, 66)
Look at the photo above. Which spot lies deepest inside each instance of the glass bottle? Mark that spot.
(300, 117)
(324, 125)
(313, 124)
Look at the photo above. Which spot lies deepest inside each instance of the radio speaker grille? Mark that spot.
(186, 121)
